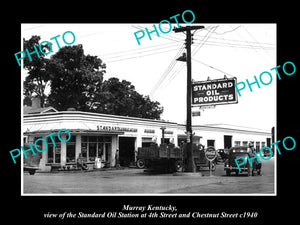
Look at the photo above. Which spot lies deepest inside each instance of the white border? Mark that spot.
(146, 194)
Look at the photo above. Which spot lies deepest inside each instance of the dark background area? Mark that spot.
(30, 209)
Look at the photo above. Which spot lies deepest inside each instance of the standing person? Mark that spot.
(251, 151)
(81, 163)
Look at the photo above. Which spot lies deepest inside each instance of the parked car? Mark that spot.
(231, 166)
(169, 158)
(165, 157)
(31, 162)
(222, 156)
(200, 159)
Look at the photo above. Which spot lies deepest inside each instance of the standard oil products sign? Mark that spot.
(220, 91)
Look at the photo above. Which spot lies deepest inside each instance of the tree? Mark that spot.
(37, 79)
(120, 98)
(75, 78)
(76, 81)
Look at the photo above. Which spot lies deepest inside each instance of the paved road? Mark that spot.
(135, 181)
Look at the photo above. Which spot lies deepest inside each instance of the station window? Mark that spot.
(237, 143)
(211, 143)
(245, 143)
(71, 149)
(25, 139)
(54, 151)
(257, 147)
(146, 142)
(96, 146)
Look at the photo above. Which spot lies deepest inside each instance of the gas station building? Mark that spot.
(97, 135)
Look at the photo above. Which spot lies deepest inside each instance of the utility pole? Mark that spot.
(189, 132)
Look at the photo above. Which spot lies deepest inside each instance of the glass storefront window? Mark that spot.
(107, 151)
(107, 139)
(70, 152)
(71, 149)
(96, 146)
(50, 153)
(92, 138)
(84, 138)
(100, 151)
(92, 151)
(245, 143)
(84, 150)
(146, 141)
(53, 151)
(257, 146)
(57, 153)
(237, 143)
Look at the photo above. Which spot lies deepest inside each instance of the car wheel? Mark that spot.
(31, 172)
(140, 164)
(178, 166)
(258, 172)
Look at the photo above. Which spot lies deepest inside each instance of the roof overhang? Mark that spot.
(76, 131)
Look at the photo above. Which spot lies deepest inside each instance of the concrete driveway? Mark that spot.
(135, 181)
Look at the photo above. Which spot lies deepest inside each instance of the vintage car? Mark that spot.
(231, 166)
(31, 161)
(222, 155)
(200, 159)
(169, 158)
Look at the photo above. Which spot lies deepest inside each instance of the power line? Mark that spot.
(212, 67)
(229, 31)
(139, 56)
(224, 44)
(251, 46)
(138, 51)
(256, 41)
(205, 38)
(166, 73)
(175, 73)
(235, 41)
(159, 85)
(165, 37)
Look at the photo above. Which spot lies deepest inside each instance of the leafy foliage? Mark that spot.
(76, 81)
(121, 98)
(75, 78)
(37, 79)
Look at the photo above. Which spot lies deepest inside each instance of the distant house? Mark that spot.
(36, 108)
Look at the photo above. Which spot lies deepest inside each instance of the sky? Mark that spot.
(235, 50)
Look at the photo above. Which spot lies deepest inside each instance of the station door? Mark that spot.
(227, 141)
(127, 151)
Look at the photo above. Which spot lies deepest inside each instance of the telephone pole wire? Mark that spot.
(190, 167)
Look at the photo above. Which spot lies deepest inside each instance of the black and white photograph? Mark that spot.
(156, 120)
(125, 107)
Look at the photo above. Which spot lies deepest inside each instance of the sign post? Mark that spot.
(210, 155)
(190, 162)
